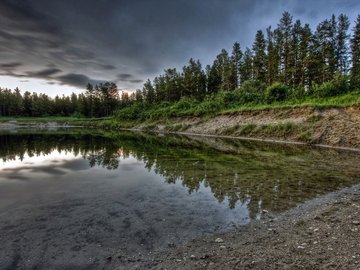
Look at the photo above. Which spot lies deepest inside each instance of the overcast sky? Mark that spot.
(58, 46)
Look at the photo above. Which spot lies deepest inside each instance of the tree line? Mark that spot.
(289, 61)
(98, 101)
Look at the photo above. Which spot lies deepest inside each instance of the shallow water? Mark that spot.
(74, 197)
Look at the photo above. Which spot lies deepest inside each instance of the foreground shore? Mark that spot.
(320, 234)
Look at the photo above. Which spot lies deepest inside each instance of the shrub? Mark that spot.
(355, 83)
(250, 92)
(335, 87)
(211, 104)
(276, 92)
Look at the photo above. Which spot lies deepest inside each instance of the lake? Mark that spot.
(73, 198)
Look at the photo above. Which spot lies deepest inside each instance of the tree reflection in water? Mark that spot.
(262, 176)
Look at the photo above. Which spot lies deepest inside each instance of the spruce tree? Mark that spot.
(272, 58)
(247, 66)
(355, 49)
(259, 62)
(342, 39)
(284, 40)
(236, 58)
(295, 67)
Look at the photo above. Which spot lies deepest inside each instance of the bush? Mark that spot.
(355, 83)
(276, 92)
(250, 92)
(332, 88)
(182, 106)
(132, 112)
(211, 104)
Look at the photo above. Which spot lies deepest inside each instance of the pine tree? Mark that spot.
(259, 61)
(295, 67)
(226, 68)
(284, 40)
(149, 92)
(194, 80)
(213, 78)
(272, 58)
(325, 41)
(236, 58)
(305, 55)
(247, 66)
(355, 49)
(342, 50)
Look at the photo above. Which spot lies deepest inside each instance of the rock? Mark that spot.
(265, 211)
(356, 222)
(171, 245)
(109, 258)
(205, 256)
(219, 240)
(192, 257)
(222, 247)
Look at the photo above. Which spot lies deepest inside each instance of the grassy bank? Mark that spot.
(227, 102)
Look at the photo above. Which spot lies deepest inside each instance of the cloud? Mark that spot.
(43, 74)
(77, 80)
(107, 67)
(12, 65)
(126, 77)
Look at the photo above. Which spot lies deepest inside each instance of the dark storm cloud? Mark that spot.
(10, 65)
(78, 80)
(44, 74)
(125, 77)
(107, 67)
(123, 41)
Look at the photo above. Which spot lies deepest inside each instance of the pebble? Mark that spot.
(219, 240)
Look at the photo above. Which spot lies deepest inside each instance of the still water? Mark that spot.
(72, 198)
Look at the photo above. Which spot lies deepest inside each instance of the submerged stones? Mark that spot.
(219, 240)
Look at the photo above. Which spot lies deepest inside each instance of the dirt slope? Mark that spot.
(334, 127)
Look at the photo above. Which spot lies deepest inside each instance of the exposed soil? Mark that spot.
(333, 127)
(320, 234)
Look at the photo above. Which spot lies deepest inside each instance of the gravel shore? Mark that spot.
(320, 234)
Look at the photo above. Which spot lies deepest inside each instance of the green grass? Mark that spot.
(225, 103)
(346, 100)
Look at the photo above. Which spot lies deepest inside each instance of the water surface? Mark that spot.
(74, 197)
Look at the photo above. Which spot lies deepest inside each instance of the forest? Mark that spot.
(291, 62)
